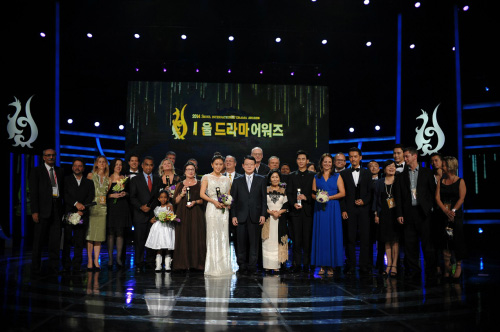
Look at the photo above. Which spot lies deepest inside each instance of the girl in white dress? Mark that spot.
(162, 234)
(218, 261)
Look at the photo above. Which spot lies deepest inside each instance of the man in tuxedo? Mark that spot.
(144, 190)
(355, 208)
(260, 167)
(301, 214)
(248, 214)
(230, 165)
(46, 190)
(397, 154)
(414, 194)
(78, 192)
(133, 164)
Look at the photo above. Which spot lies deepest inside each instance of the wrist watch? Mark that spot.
(453, 210)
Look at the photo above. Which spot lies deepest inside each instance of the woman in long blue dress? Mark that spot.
(327, 243)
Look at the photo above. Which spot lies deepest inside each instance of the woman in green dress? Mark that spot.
(96, 232)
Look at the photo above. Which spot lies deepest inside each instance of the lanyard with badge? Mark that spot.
(391, 203)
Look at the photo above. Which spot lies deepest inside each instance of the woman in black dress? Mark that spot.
(190, 233)
(450, 195)
(385, 216)
(118, 217)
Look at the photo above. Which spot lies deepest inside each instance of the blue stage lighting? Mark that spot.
(480, 230)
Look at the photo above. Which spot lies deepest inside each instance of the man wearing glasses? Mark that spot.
(46, 189)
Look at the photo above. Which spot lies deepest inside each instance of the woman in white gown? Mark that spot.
(218, 261)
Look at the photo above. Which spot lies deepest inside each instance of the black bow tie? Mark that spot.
(355, 169)
(400, 165)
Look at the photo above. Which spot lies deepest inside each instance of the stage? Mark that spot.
(124, 300)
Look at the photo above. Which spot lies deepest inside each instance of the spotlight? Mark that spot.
(70, 121)
(319, 74)
(229, 71)
(121, 127)
(89, 35)
(42, 34)
(292, 73)
(261, 72)
(136, 69)
(480, 230)
(278, 39)
(453, 48)
(351, 130)
(377, 127)
(197, 70)
(486, 89)
(412, 46)
(324, 41)
(366, 2)
(465, 8)
(231, 38)
(97, 124)
(417, 4)
(183, 37)
(137, 36)
(164, 70)
(369, 43)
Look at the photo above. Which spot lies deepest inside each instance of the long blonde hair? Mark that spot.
(94, 169)
(160, 169)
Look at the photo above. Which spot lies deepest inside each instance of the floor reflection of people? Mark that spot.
(94, 305)
(161, 300)
(218, 290)
(273, 290)
(391, 295)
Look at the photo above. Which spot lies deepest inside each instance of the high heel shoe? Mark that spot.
(386, 272)
(393, 274)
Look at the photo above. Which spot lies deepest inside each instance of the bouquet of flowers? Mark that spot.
(225, 199)
(167, 217)
(282, 185)
(171, 190)
(73, 218)
(322, 197)
(119, 187)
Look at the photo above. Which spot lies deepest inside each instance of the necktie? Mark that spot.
(356, 170)
(249, 182)
(399, 166)
(52, 179)
(150, 184)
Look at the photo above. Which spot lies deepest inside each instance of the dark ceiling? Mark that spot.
(95, 72)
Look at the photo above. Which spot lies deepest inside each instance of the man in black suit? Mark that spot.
(78, 192)
(414, 196)
(248, 214)
(144, 190)
(46, 190)
(355, 208)
(260, 167)
(301, 213)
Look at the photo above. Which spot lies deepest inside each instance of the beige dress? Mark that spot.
(97, 217)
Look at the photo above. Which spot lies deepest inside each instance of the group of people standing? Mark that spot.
(320, 213)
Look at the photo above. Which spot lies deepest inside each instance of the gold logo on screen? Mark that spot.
(179, 125)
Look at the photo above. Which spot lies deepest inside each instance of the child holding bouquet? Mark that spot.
(162, 233)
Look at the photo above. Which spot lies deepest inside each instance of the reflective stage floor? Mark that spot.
(124, 300)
